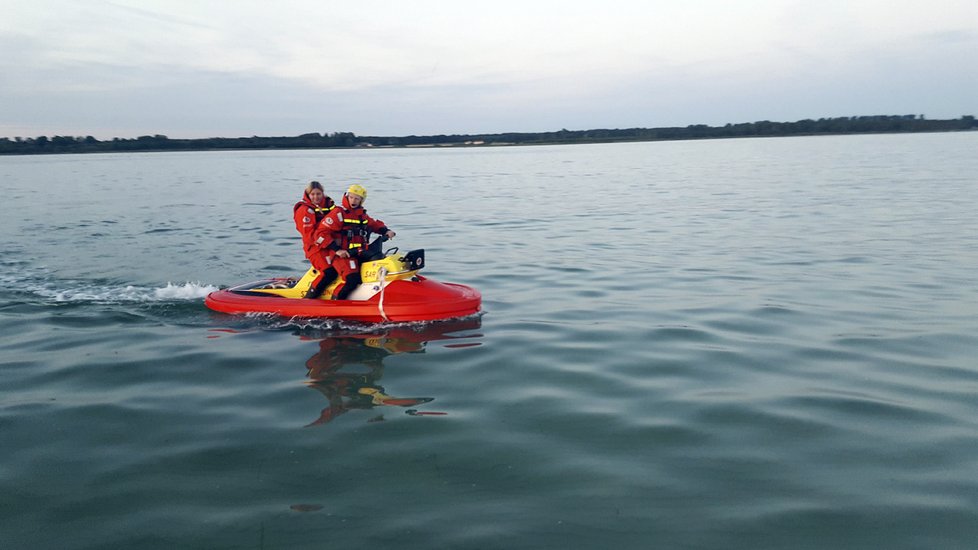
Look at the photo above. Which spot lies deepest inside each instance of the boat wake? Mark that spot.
(315, 328)
(128, 293)
(22, 279)
(93, 292)
(186, 291)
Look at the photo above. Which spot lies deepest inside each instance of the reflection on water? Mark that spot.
(347, 368)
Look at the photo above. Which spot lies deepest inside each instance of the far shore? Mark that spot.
(876, 124)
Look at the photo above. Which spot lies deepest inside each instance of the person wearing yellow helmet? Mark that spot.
(358, 190)
(354, 235)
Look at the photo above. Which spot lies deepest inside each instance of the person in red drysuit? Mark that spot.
(353, 238)
(308, 213)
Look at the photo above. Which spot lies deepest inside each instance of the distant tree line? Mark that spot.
(764, 128)
(88, 144)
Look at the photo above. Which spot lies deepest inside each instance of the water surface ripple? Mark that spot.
(755, 343)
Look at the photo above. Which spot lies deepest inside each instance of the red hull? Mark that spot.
(423, 300)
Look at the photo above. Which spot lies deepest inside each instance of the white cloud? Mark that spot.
(403, 67)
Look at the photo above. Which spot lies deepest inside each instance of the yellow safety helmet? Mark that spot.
(357, 189)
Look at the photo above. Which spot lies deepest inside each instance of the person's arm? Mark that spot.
(305, 223)
(327, 233)
(379, 227)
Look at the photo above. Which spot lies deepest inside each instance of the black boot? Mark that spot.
(325, 279)
(352, 281)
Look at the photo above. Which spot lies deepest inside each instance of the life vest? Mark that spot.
(356, 226)
(355, 231)
(318, 211)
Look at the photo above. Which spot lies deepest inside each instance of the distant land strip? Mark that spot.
(876, 124)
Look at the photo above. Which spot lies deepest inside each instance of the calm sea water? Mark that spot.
(756, 343)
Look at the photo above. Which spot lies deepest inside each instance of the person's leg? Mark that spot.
(327, 274)
(349, 269)
(320, 283)
(352, 282)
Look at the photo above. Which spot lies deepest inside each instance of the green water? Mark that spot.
(757, 343)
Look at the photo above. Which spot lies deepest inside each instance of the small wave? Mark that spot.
(107, 294)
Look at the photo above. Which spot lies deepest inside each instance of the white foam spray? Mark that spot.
(78, 291)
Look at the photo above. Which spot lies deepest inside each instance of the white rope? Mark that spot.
(381, 274)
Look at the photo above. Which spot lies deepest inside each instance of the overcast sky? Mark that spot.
(197, 68)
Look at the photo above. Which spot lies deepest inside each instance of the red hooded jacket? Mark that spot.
(307, 216)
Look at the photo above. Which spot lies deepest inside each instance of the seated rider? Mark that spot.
(354, 237)
(308, 214)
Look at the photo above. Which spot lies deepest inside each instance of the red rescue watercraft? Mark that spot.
(392, 290)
